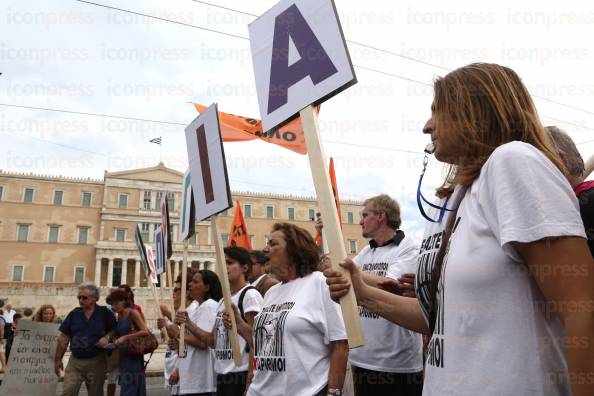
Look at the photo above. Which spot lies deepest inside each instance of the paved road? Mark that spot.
(154, 387)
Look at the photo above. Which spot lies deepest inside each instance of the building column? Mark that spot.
(137, 273)
(124, 279)
(176, 269)
(209, 236)
(98, 272)
(109, 272)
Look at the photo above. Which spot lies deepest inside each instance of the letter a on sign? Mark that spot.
(208, 171)
(299, 56)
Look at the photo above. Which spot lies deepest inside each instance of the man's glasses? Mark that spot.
(82, 297)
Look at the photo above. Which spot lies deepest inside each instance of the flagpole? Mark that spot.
(160, 150)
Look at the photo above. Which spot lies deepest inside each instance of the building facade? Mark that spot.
(59, 232)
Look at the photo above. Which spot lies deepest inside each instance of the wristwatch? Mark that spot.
(334, 392)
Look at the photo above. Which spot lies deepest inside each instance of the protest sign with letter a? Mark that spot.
(145, 253)
(206, 156)
(299, 57)
(187, 220)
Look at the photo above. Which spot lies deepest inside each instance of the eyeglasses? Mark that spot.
(82, 297)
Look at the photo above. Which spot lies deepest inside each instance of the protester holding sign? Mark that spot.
(501, 253)
(196, 370)
(130, 325)
(299, 338)
(87, 329)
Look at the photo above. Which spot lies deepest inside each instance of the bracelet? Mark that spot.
(334, 392)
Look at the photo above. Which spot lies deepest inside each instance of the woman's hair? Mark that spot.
(209, 278)
(482, 106)
(118, 295)
(129, 291)
(38, 317)
(190, 272)
(302, 251)
(240, 255)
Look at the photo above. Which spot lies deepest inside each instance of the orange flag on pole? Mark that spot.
(236, 128)
(319, 238)
(238, 236)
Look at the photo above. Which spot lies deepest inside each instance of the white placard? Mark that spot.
(186, 220)
(207, 164)
(30, 370)
(152, 271)
(299, 57)
(160, 245)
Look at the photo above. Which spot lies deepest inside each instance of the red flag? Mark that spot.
(236, 128)
(238, 236)
(318, 238)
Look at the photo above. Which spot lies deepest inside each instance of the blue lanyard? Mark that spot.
(420, 197)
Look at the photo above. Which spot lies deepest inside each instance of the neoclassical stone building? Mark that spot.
(56, 232)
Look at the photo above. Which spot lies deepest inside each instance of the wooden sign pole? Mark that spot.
(181, 351)
(157, 301)
(171, 286)
(221, 269)
(319, 171)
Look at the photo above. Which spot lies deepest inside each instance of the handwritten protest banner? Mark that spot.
(30, 370)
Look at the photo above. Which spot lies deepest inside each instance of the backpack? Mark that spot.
(240, 306)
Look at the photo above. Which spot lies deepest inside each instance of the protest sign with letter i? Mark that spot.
(148, 272)
(300, 59)
(212, 195)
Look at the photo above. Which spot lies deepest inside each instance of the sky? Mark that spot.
(81, 57)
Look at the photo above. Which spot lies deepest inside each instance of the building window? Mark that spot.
(192, 240)
(158, 200)
(28, 195)
(350, 219)
(247, 210)
(17, 273)
(86, 199)
(48, 274)
(123, 201)
(291, 213)
(23, 232)
(58, 195)
(146, 203)
(145, 229)
(270, 212)
(1, 192)
(83, 235)
(352, 246)
(171, 201)
(54, 231)
(79, 275)
(120, 234)
(312, 214)
(225, 238)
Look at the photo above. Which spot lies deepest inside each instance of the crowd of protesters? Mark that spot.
(488, 303)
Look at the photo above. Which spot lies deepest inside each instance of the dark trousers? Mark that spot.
(232, 384)
(378, 383)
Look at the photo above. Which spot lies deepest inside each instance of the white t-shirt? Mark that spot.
(196, 370)
(9, 315)
(388, 347)
(224, 364)
(492, 335)
(169, 367)
(292, 336)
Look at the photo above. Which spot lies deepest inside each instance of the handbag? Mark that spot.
(140, 346)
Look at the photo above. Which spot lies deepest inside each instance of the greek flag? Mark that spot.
(156, 140)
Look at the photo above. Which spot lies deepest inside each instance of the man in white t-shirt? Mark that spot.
(390, 362)
(8, 314)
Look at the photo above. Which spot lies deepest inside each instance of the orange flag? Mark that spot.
(318, 238)
(236, 128)
(238, 236)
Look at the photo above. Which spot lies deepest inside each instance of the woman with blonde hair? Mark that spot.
(46, 313)
(504, 276)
